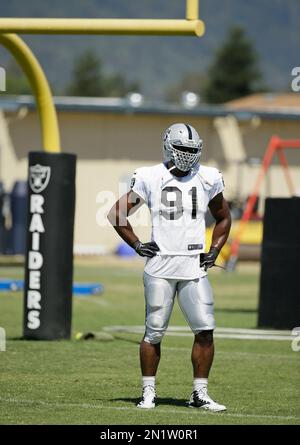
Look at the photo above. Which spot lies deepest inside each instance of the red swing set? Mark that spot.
(276, 145)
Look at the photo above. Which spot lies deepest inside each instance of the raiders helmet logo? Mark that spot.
(39, 177)
(132, 182)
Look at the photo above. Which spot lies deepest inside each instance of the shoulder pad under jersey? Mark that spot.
(208, 175)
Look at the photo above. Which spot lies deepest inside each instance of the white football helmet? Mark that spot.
(182, 146)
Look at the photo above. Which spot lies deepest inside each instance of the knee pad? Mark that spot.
(154, 333)
(153, 337)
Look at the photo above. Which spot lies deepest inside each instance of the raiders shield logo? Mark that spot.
(39, 177)
(132, 182)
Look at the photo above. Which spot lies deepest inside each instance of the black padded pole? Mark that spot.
(279, 302)
(49, 252)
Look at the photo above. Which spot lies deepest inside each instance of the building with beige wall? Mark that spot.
(111, 138)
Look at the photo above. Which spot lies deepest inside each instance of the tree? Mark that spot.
(234, 72)
(87, 76)
(89, 79)
(117, 86)
(16, 81)
(190, 82)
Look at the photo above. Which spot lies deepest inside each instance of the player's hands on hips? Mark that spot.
(146, 249)
(208, 259)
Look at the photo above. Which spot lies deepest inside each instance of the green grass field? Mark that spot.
(97, 382)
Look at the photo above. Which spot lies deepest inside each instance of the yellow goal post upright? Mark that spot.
(40, 87)
(51, 181)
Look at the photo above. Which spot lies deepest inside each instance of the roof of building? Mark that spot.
(268, 101)
(267, 106)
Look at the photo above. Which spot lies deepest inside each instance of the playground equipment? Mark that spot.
(275, 146)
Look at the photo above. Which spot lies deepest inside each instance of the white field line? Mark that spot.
(253, 331)
(235, 336)
(127, 408)
(240, 354)
(229, 333)
(219, 329)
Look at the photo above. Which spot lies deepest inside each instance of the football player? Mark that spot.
(178, 192)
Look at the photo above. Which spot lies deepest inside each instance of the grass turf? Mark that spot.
(94, 382)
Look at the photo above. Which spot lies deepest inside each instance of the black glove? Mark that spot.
(207, 260)
(146, 249)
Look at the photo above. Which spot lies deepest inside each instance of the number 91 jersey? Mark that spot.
(177, 205)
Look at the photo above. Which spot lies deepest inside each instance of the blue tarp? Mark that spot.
(78, 288)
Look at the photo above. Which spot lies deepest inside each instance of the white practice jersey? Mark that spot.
(178, 207)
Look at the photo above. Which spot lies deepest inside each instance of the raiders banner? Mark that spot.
(49, 257)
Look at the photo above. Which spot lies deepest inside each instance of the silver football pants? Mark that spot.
(195, 299)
